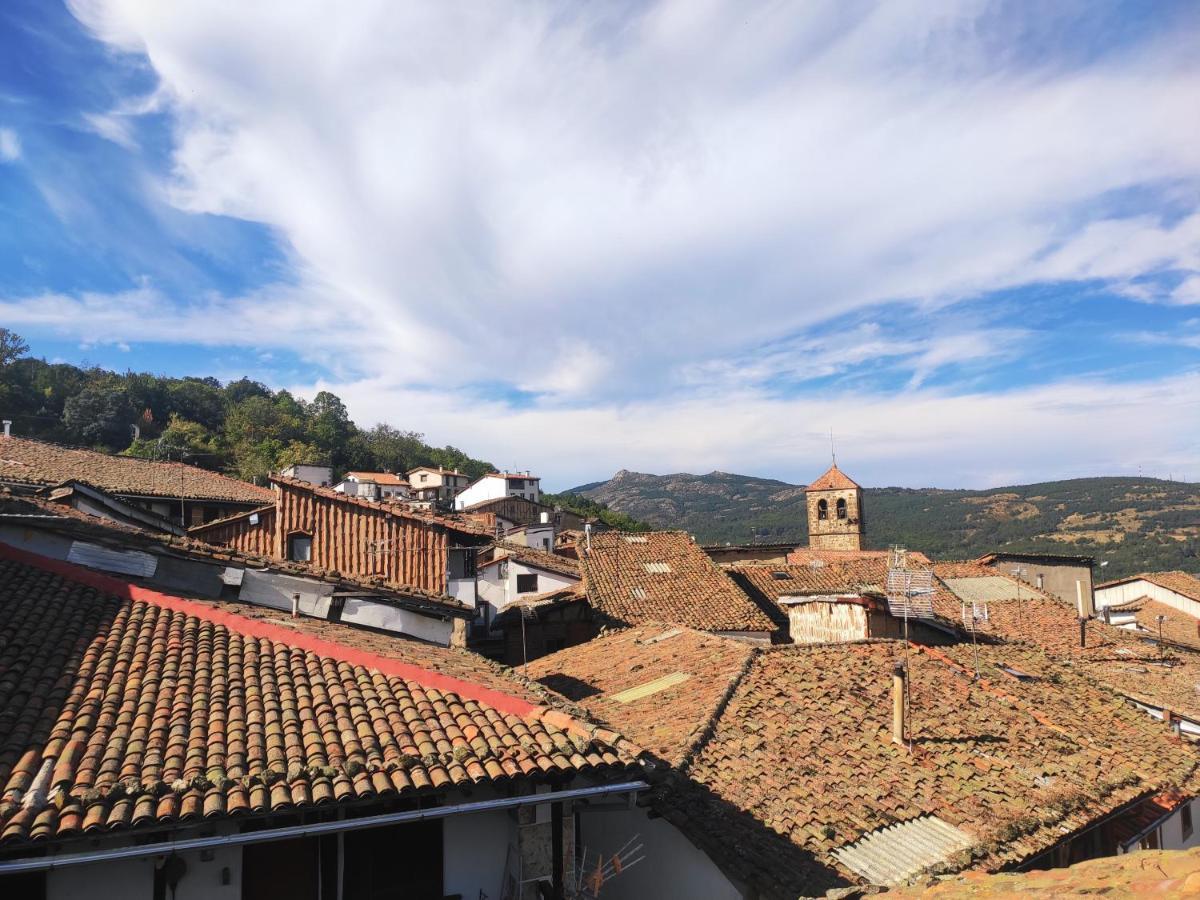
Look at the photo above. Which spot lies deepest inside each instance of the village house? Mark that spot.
(436, 485)
(313, 473)
(496, 485)
(785, 771)
(201, 570)
(1179, 591)
(630, 578)
(181, 494)
(516, 572)
(358, 537)
(164, 746)
(373, 486)
(1068, 578)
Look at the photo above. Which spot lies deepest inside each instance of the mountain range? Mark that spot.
(1131, 524)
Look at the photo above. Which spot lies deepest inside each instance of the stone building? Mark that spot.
(835, 512)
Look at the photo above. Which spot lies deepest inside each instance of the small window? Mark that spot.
(1150, 841)
(1039, 581)
(822, 509)
(424, 477)
(300, 547)
(527, 584)
(1185, 818)
(841, 508)
(781, 576)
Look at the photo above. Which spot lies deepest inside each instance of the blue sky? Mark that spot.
(664, 236)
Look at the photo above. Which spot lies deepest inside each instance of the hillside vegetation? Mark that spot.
(1134, 524)
(243, 427)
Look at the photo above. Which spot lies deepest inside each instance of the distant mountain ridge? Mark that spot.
(1135, 524)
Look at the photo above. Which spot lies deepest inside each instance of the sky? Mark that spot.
(693, 235)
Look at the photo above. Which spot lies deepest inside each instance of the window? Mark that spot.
(424, 477)
(1039, 581)
(822, 509)
(527, 584)
(841, 508)
(299, 547)
(1185, 818)
(1150, 841)
(517, 484)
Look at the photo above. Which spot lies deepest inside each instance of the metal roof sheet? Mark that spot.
(986, 588)
(895, 853)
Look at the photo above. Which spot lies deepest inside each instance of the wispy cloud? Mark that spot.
(631, 214)
(10, 145)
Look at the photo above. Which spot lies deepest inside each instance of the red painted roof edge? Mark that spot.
(505, 703)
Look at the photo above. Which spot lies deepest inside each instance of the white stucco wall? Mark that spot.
(1135, 590)
(135, 879)
(673, 868)
(492, 585)
(474, 850)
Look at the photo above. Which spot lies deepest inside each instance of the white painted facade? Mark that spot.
(360, 484)
(431, 483)
(673, 868)
(539, 537)
(497, 485)
(1137, 588)
(322, 476)
(1178, 831)
(498, 582)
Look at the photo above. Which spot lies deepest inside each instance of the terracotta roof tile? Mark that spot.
(1180, 582)
(795, 759)
(834, 479)
(531, 556)
(1177, 627)
(24, 461)
(664, 576)
(149, 710)
(378, 477)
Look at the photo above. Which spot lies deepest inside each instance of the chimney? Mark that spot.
(295, 606)
(898, 723)
(1082, 631)
(8, 427)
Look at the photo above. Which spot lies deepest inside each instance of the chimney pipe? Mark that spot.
(1082, 631)
(8, 427)
(898, 723)
(295, 606)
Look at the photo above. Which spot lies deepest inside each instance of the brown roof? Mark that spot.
(531, 556)
(1177, 627)
(664, 576)
(29, 462)
(1148, 873)
(377, 477)
(140, 709)
(805, 555)
(1180, 582)
(68, 520)
(399, 510)
(776, 580)
(834, 479)
(786, 758)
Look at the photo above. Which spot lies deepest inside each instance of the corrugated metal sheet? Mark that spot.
(275, 590)
(893, 854)
(651, 687)
(985, 588)
(126, 562)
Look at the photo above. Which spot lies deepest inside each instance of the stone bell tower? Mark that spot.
(835, 512)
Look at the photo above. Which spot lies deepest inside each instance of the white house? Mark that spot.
(495, 485)
(321, 476)
(1178, 590)
(373, 485)
(435, 483)
(522, 572)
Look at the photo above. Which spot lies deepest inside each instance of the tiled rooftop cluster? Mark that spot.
(772, 580)
(1154, 618)
(551, 562)
(1180, 582)
(664, 576)
(143, 712)
(36, 462)
(796, 760)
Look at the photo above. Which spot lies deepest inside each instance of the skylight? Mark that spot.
(651, 687)
(781, 576)
(657, 568)
(638, 593)
(636, 539)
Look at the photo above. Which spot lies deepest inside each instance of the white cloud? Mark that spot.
(920, 437)
(677, 184)
(10, 145)
(624, 209)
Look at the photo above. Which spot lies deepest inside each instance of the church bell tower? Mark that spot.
(835, 512)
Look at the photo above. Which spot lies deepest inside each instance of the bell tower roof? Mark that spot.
(833, 480)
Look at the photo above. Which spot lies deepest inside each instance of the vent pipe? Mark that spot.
(898, 723)
(587, 535)
(8, 427)
(295, 606)
(1082, 631)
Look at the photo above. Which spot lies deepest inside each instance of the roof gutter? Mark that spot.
(46, 863)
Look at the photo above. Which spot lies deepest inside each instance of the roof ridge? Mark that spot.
(710, 725)
(133, 593)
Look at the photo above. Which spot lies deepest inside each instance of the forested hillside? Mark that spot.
(1132, 523)
(243, 427)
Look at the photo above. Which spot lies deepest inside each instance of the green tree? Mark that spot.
(12, 347)
(100, 415)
